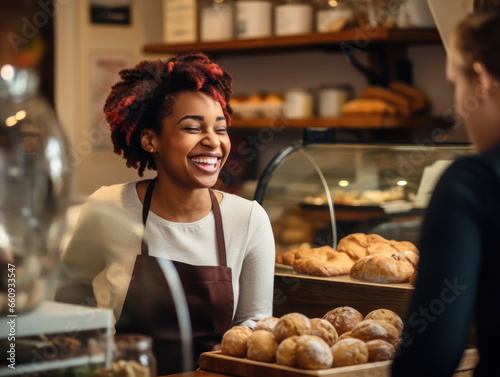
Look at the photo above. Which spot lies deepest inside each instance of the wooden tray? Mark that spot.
(216, 362)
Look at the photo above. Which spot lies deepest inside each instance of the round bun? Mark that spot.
(382, 269)
(343, 318)
(380, 350)
(325, 330)
(312, 352)
(262, 346)
(267, 324)
(285, 355)
(349, 351)
(292, 324)
(234, 341)
(389, 316)
(375, 329)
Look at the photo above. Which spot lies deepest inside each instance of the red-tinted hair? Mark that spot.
(145, 95)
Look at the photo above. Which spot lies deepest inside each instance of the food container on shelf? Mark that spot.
(299, 103)
(415, 13)
(331, 99)
(333, 16)
(253, 18)
(373, 14)
(216, 21)
(293, 17)
(34, 191)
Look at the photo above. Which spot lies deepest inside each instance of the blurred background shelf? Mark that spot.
(358, 38)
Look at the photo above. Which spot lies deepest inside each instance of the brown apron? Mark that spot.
(149, 309)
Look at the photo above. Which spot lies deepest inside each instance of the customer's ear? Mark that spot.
(148, 141)
(489, 83)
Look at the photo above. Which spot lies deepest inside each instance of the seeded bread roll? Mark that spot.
(325, 330)
(380, 350)
(312, 352)
(285, 355)
(375, 329)
(343, 318)
(262, 346)
(349, 351)
(387, 315)
(292, 324)
(234, 341)
(267, 324)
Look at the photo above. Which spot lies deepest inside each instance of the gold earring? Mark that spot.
(151, 150)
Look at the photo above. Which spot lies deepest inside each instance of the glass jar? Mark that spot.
(216, 20)
(293, 17)
(125, 355)
(334, 15)
(34, 190)
(253, 18)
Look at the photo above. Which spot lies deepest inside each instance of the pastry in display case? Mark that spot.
(349, 214)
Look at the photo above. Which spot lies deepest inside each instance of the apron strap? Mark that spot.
(221, 244)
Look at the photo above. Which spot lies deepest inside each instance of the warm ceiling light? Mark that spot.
(343, 183)
(21, 115)
(402, 183)
(10, 121)
(7, 72)
(333, 3)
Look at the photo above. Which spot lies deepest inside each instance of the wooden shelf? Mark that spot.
(347, 122)
(356, 37)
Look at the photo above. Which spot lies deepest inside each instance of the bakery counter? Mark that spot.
(314, 296)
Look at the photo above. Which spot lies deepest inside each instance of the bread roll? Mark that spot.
(325, 330)
(364, 106)
(380, 350)
(387, 315)
(234, 341)
(262, 346)
(375, 329)
(267, 324)
(344, 319)
(355, 245)
(418, 101)
(285, 354)
(349, 351)
(403, 246)
(382, 269)
(400, 102)
(331, 263)
(292, 324)
(312, 352)
(344, 335)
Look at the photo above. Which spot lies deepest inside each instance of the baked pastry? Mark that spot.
(355, 245)
(349, 351)
(325, 330)
(292, 324)
(403, 246)
(387, 315)
(267, 324)
(327, 263)
(413, 278)
(285, 354)
(375, 329)
(418, 101)
(400, 102)
(312, 352)
(262, 346)
(344, 318)
(234, 341)
(344, 335)
(382, 269)
(364, 106)
(380, 350)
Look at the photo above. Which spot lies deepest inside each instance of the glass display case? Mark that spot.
(318, 190)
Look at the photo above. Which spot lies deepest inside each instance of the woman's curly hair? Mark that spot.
(145, 95)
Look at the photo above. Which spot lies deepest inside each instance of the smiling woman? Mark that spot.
(172, 116)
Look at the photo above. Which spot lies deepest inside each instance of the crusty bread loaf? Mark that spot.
(418, 101)
(325, 330)
(330, 263)
(343, 318)
(262, 346)
(364, 106)
(387, 315)
(382, 269)
(234, 341)
(312, 352)
(375, 329)
(380, 350)
(349, 351)
(292, 324)
(400, 102)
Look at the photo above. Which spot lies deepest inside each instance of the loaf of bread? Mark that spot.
(387, 315)
(266, 324)
(262, 346)
(292, 324)
(380, 350)
(366, 106)
(344, 318)
(400, 102)
(350, 351)
(312, 352)
(375, 329)
(285, 354)
(234, 341)
(325, 330)
(418, 101)
(382, 269)
(330, 263)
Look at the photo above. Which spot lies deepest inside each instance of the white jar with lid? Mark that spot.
(299, 104)
(334, 16)
(331, 100)
(216, 21)
(293, 17)
(253, 18)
